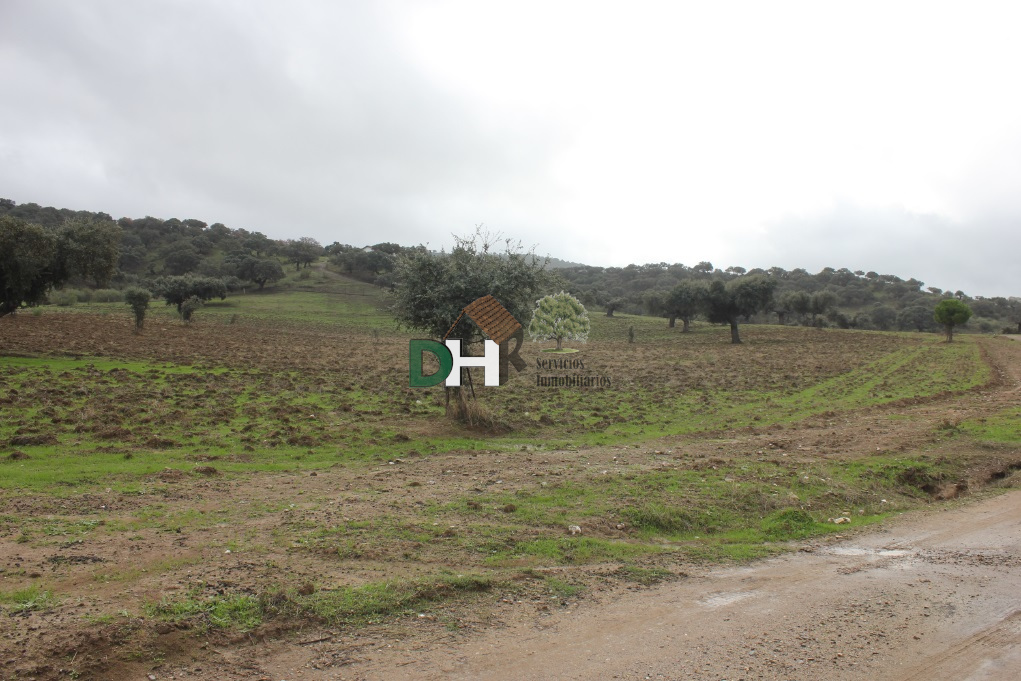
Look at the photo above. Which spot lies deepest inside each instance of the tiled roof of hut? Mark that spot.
(493, 318)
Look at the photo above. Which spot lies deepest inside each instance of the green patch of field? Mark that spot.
(1004, 427)
(701, 509)
(364, 604)
(100, 421)
(310, 297)
(569, 551)
(79, 421)
(26, 600)
(647, 410)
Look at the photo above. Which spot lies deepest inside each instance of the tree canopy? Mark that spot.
(951, 313)
(431, 289)
(179, 290)
(35, 259)
(304, 251)
(559, 316)
(685, 301)
(727, 302)
(256, 269)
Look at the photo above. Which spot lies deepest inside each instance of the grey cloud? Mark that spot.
(972, 257)
(255, 116)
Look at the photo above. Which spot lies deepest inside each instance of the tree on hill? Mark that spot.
(371, 263)
(791, 302)
(35, 259)
(821, 302)
(27, 257)
(916, 318)
(89, 248)
(1012, 309)
(258, 243)
(258, 270)
(179, 290)
(685, 301)
(951, 313)
(559, 316)
(727, 302)
(180, 258)
(303, 252)
(615, 304)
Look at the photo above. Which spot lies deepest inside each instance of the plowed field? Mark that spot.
(218, 499)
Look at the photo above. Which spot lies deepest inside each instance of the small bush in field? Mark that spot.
(138, 299)
(107, 295)
(64, 298)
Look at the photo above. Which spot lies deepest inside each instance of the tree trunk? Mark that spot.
(673, 322)
(684, 325)
(734, 337)
(560, 340)
(950, 333)
(459, 409)
(781, 317)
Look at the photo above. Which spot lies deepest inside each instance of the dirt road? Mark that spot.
(935, 596)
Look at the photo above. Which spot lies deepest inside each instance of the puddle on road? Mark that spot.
(858, 551)
(721, 599)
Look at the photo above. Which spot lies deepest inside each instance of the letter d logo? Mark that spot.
(438, 350)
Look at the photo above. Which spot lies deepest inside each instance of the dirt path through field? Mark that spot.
(936, 596)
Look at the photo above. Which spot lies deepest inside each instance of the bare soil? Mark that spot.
(932, 596)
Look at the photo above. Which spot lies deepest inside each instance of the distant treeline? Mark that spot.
(831, 297)
(152, 247)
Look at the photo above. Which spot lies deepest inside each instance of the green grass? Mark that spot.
(645, 576)
(733, 510)
(101, 421)
(311, 297)
(698, 385)
(363, 604)
(232, 611)
(562, 589)
(26, 600)
(569, 551)
(1004, 427)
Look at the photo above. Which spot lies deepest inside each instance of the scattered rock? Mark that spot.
(206, 470)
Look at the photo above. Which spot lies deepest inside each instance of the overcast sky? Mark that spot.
(878, 136)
